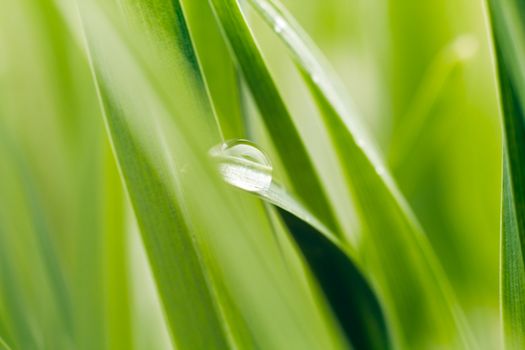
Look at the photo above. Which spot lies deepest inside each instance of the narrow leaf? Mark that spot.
(508, 34)
(182, 284)
(389, 223)
(273, 111)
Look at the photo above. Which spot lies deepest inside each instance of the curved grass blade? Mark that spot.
(508, 30)
(351, 298)
(413, 279)
(274, 113)
(349, 294)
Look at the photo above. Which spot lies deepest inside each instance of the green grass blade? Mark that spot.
(218, 70)
(117, 297)
(46, 246)
(167, 238)
(274, 113)
(138, 82)
(439, 76)
(513, 270)
(347, 291)
(190, 311)
(508, 31)
(332, 262)
(14, 313)
(390, 226)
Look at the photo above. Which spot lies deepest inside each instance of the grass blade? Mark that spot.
(275, 115)
(332, 262)
(381, 207)
(139, 86)
(352, 299)
(508, 33)
(43, 236)
(219, 72)
(190, 312)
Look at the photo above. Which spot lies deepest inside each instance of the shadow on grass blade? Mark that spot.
(350, 296)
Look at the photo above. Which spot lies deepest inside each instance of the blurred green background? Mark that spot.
(420, 73)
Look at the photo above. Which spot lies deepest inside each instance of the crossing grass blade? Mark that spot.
(166, 171)
(389, 224)
(334, 264)
(274, 113)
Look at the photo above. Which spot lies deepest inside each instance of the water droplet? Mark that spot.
(279, 25)
(242, 164)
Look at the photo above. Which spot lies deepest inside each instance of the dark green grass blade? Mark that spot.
(348, 293)
(508, 31)
(352, 299)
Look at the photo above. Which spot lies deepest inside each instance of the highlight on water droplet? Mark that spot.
(242, 164)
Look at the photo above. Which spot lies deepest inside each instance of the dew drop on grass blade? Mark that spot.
(347, 291)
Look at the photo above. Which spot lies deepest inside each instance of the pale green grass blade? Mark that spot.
(390, 226)
(508, 30)
(49, 109)
(273, 111)
(167, 239)
(218, 70)
(439, 75)
(46, 247)
(117, 301)
(176, 266)
(13, 312)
